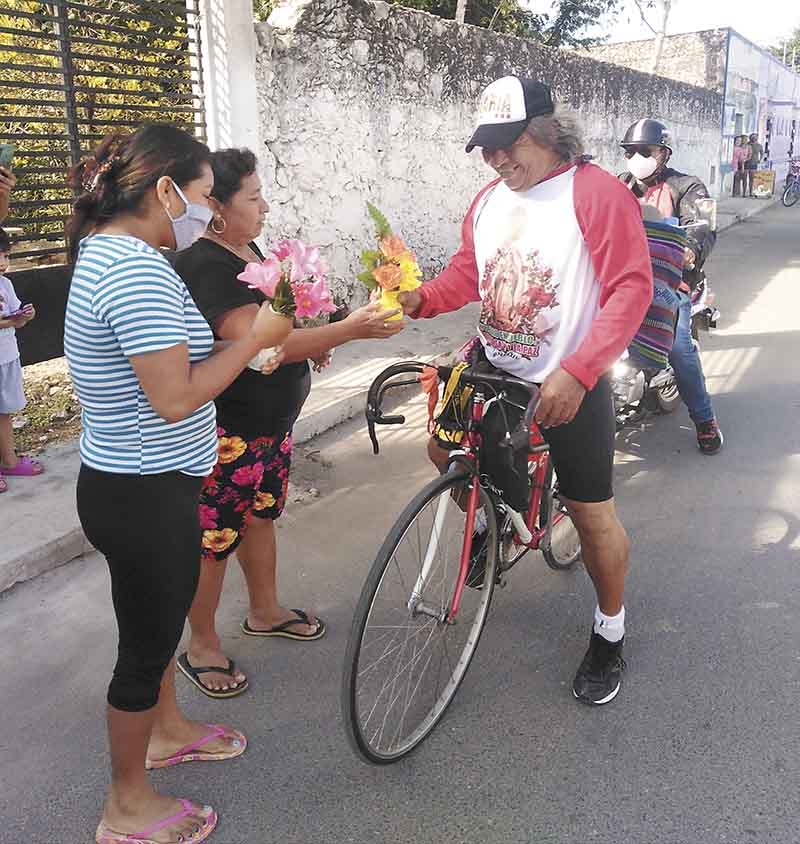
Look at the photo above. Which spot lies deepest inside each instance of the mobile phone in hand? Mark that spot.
(6, 155)
(23, 311)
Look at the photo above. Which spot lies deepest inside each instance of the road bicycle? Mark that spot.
(417, 623)
(791, 192)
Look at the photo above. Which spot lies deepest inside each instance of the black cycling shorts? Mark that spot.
(582, 451)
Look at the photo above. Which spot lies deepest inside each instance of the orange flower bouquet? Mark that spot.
(391, 268)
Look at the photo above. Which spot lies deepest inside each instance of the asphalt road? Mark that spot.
(702, 744)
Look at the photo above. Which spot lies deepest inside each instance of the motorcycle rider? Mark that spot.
(648, 148)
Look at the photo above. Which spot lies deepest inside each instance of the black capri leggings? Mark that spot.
(148, 529)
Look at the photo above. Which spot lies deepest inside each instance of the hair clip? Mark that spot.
(93, 181)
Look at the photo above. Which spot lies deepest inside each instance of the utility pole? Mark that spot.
(461, 11)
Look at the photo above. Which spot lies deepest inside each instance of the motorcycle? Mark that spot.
(639, 390)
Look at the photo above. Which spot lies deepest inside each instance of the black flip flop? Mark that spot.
(193, 674)
(284, 631)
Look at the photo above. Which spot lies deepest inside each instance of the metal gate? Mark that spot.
(70, 72)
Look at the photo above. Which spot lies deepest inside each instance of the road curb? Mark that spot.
(43, 558)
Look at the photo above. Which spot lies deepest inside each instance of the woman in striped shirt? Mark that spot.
(140, 355)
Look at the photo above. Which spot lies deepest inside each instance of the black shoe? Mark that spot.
(599, 677)
(709, 437)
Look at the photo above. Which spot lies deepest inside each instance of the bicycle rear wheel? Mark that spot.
(561, 546)
(404, 662)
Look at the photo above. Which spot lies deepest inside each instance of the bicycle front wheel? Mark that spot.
(405, 657)
(790, 196)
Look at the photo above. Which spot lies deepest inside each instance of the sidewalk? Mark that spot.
(42, 529)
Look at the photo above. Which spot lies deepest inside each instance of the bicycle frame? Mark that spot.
(538, 452)
(469, 457)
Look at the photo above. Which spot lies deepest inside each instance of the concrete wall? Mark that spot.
(362, 100)
(697, 58)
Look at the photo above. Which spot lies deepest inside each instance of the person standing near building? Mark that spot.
(756, 154)
(741, 152)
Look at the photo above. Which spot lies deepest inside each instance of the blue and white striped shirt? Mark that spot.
(126, 300)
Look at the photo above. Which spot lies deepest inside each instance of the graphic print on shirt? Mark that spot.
(520, 307)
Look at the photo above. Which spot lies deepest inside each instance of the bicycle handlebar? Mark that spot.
(379, 387)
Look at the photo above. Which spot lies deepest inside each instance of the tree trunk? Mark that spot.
(658, 45)
(461, 11)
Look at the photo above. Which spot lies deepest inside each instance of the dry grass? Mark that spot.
(53, 414)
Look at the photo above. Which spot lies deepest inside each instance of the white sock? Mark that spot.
(480, 520)
(610, 627)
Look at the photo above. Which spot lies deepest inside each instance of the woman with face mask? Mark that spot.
(141, 358)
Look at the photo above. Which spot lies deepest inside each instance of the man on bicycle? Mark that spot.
(555, 251)
(647, 147)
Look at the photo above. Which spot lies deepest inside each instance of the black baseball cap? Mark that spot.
(506, 107)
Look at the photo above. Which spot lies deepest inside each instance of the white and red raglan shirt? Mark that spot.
(562, 271)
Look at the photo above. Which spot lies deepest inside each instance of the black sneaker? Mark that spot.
(709, 437)
(599, 676)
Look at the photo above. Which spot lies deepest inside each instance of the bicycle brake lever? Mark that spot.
(391, 420)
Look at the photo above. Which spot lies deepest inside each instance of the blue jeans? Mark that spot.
(685, 360)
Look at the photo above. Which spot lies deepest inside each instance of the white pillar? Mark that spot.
(228, 49)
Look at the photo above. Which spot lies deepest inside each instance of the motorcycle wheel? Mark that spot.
(664, 400)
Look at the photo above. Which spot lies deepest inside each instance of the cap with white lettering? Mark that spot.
(505, 109)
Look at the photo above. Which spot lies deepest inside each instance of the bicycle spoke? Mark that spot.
(409, 663)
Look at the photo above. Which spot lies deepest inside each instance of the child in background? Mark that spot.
(12, 398)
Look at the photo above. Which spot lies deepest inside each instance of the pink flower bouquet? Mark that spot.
(292, 277)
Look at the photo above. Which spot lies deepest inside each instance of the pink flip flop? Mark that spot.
(106, 835)
(26, 467)
(190, 754)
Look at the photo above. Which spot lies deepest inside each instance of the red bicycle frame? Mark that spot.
(539, 455)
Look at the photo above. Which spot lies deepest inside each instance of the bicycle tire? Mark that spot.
(547, 508)
(790, 196)
(356, 731)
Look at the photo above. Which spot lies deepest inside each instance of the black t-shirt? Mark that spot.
(254, 405)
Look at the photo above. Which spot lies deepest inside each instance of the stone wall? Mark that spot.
(362, 100)
(697, 58)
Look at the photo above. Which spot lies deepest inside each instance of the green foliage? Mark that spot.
(565, 25)
(370, 258)
(262, 9)
(106, 45)
(382, 227)
(367, 278)
(791, 49)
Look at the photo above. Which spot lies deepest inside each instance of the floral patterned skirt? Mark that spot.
(249, 481)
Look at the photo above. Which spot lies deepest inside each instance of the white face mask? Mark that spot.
(641, 167)
(191, 224)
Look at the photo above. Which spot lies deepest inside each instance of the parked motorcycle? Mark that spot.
(639, 390)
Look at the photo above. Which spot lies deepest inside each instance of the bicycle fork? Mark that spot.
(415, 603)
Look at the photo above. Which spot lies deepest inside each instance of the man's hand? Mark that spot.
(689, 258)
(372, 322)
(561, 397)
(410, 300)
